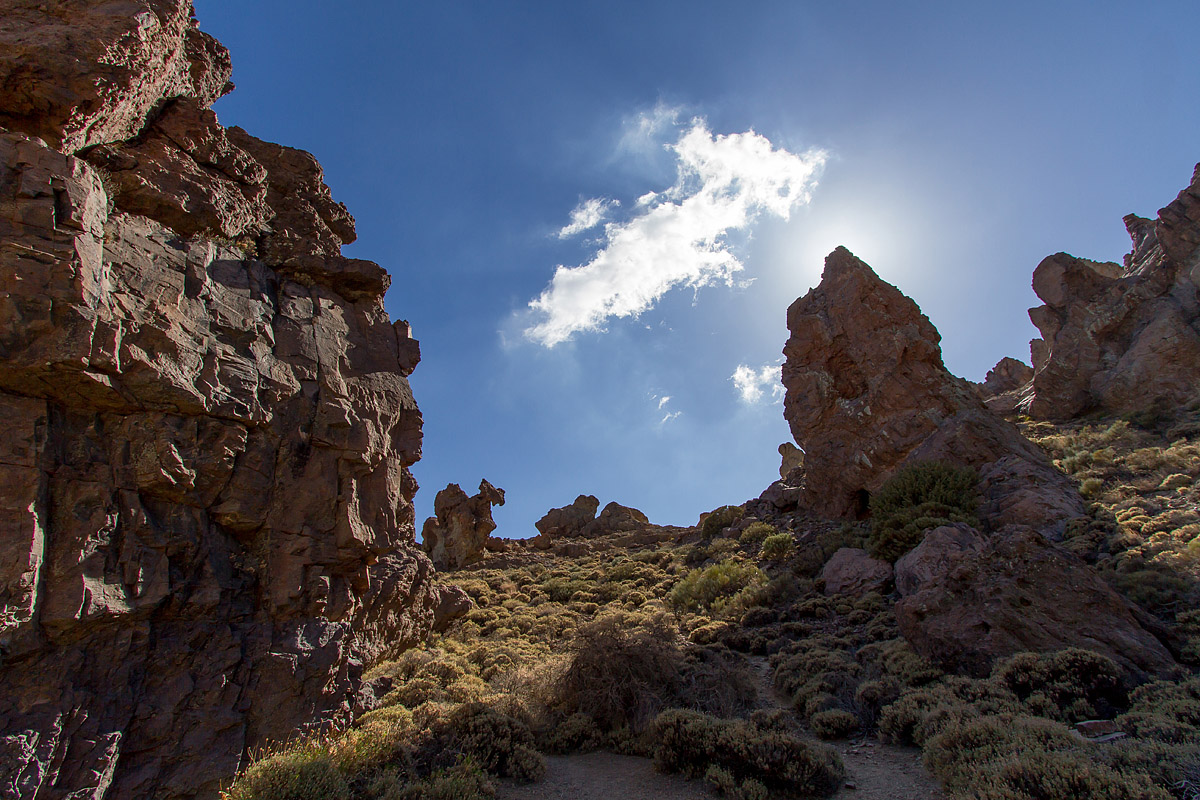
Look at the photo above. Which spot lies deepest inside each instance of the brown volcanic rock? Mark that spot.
(1018, 593)
(568, 520)
(936, 555)
(87, 73)
(852, 571)
(1122, 339)
(867, 393)
(185, 173)
(458, 534)
(206, 523)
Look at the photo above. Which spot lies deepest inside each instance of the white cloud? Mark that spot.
(587, 215)
(664, 400)
(672, 415)
(677, 237)
(753, 385)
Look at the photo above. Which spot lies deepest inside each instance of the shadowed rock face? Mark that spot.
(971, 601)
(867, 393)
(1121, 339)
(206, 520)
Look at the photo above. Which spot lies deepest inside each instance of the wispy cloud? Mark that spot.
(587, 215)
(753, 385)
(676, 237)
(662, 401)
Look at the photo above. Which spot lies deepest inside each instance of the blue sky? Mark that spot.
(950, 147)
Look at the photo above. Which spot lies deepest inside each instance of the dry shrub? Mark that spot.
(623, 670)
(303, 771)
(835, 723)
(1026, 758)
(497, 742)
(692, 743)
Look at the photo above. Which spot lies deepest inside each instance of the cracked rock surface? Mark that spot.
(206, 522)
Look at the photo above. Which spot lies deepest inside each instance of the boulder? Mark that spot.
(851, 571)
(1121, 339)
(458, 533)
(973, 605)
(936, 555)
(1006, 385)
(568, 520)
(615, 518)
(453, 604)
(205, 487)
(867, 393)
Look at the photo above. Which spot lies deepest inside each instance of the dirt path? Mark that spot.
(874, 771)
(605, 776)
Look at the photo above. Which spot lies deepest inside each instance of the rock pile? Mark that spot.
(867, 393)
(207, 506)
(1121, 338)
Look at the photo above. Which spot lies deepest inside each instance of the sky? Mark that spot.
(596, 214)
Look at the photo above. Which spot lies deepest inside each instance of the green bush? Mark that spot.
(692, 743)
(778, 547)
(720, 519)
(713, 588)
(919, 497)
(755, 532)
(302, 772)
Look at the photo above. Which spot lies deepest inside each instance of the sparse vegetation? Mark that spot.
(657, 641)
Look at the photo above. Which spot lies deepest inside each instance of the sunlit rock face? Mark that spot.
(1122, 339)
(206, 520)
(867, 393)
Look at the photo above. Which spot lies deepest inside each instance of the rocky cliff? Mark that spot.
(206, 522)
(1121, 338)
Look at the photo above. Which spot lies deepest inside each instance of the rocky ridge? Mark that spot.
(1121, 339)
(208, 520)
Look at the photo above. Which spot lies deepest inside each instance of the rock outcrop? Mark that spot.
(579, 521)
(1005, 386)
(791, 458)
(867, 393)
(977, 601)
(569, 520)
(852, 571)
(206, 521)
(1125, 338)
(457, 534)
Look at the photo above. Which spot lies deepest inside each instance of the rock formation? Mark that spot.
(1121, 339)
(791, 458)
(457, 534)
(579, 520)
(206, 524)
(970, 601)
(568, 520)
(852, 571)
(1005, 385)
(867, 393)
